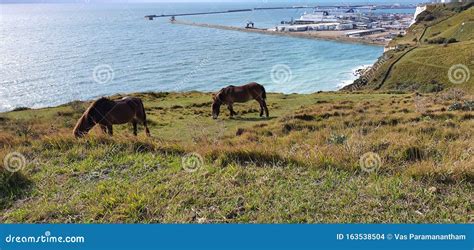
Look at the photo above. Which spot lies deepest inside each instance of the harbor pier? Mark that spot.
(329, 36)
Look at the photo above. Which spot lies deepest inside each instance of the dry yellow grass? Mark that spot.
(301, 165)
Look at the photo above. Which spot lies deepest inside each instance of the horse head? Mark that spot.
(216, 104)
(92, 116)
(84, 125)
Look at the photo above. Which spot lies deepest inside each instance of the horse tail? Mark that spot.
(147, 131)
(264, 93)
(143, 110)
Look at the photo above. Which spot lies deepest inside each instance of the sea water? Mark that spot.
(52, 54)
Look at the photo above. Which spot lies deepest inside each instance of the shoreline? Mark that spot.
(326, 36)
(24, 108)
(303, 35)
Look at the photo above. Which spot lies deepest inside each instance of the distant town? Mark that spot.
(355, 23)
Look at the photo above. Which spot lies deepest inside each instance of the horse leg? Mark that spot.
(134, 123)
(110, 129)
(231, 110)
(103, 128)
(147, 131)
(260, 101)
(265, 107)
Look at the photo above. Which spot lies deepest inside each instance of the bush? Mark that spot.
(431, 88)
(413, 154)
(429, 17)
(337, 139)
(442, 40)
(464, 7)
(425, 16)
(20, 109)
(439, 40)
(466, 106)
(452, 40)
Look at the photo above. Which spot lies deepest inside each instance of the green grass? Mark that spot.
(460, 27)
(302, 165)
(423, 67)
(426, 67)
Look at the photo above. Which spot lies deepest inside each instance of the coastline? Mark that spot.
(325, 35)
(138, 93)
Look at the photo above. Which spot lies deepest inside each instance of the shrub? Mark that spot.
(425, 16)
(438, 40)
(452, 40)
(455, 106)
(20, 109)
(337, 139)
(466, 106)
(429, 17)
(413, 154)
(431, 88)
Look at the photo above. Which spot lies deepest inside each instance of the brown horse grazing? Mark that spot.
(106, 112)
(232, 94)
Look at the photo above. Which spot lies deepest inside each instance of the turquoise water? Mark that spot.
(55, 53)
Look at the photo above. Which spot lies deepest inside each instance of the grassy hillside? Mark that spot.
(309, 162)
(435, 50)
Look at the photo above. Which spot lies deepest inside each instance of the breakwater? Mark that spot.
(322, 35)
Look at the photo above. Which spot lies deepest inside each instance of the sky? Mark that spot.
(255, 1)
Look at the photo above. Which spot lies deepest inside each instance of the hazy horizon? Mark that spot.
(308, 2)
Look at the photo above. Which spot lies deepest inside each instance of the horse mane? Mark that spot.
(102, 103)
(223, 92)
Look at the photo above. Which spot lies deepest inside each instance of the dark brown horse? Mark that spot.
(106, 112)
(232, 94)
